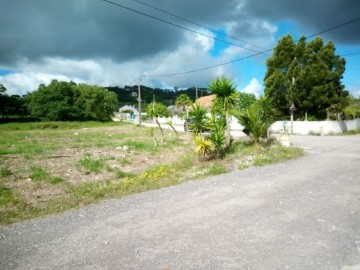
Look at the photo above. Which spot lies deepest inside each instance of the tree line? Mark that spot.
(68, 101)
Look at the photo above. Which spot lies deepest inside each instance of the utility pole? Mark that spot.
(196, 93)
(292, 107)
(153, 106)
(139, 99)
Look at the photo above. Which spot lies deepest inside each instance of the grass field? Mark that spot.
(51, 167)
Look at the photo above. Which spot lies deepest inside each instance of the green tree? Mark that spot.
(3, 101)
(62, 101)
(183, 102)
(95, 102)
(225, 100)
(353, 109)
(306, 74)
(244, 101)
(53, 102)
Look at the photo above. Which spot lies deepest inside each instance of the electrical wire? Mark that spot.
(179, 26)
(195, 23)
(256, 54)
(194, 31)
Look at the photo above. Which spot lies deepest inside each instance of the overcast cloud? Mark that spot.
(96, 42)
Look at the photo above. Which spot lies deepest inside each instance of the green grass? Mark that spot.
(39, 175)
(91, 165)
(6, 196)
(5, 172)
(352, 132)
(58, 125)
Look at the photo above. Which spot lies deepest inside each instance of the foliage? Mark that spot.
(91, 165)
(197, 119)
(244, 101)
(157, 110)
(217, 124)
(204, 147)
(225, 100)
(11, 105)
(39, 174)
(353, 109)
(95, 102)
(183, 102)
(306, 74)
(61, 101)
(258, 118)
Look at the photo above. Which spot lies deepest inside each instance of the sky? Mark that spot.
(113, 43)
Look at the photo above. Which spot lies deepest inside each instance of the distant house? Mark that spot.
(129, 113)
(206, 101)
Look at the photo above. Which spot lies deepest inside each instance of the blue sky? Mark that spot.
(99, 43)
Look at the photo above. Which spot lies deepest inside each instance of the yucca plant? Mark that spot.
(225, 100)
(258, 118)
(217, 125)
(198, 117)
(204, 148)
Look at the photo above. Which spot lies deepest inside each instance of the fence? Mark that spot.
(316, 127)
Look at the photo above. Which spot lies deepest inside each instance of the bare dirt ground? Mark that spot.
(114, 149)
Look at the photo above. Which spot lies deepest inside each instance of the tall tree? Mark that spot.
(183, 102)
(95, 102)
(68, 101)
(306, 74)
(244, 101)
(225, 100)
(53, 102)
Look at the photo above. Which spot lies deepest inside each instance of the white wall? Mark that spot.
(318, 127)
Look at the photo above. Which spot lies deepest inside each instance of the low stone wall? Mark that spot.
(315, 127)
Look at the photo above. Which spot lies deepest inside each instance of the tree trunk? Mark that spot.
(162, 132)
(228, 135)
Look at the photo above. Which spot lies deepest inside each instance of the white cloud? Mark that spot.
(254, 87)
(193, 54)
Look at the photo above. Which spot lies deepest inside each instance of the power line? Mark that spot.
(252, 55)
(179, 26)
(350, 54)
(195, 23)
(334, 27)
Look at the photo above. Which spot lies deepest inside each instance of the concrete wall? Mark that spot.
(316, 127)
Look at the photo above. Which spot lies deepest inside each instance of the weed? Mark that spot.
(352, 132)
(4, 172)
(120, 174)
(275, 154)
(216, 169)
(91, 165)
(6, 196)
(39, 174)
(55, 180)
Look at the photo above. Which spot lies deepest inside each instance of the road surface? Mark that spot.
(302, 214)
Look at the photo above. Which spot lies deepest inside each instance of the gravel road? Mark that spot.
(302, 214)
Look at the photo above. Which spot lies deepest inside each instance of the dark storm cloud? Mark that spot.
(81, 29)
(311, 16)
(84, 29)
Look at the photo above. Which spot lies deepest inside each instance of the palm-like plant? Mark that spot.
(225, 100)
(258, 118)
(204, 148)
(197, 115)
(216, 124)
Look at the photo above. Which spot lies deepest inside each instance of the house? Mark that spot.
(206, 101)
